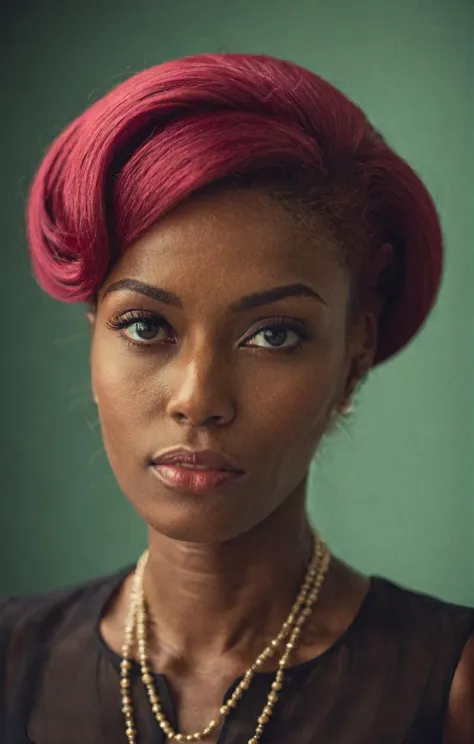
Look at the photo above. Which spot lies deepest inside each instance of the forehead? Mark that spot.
(232, 243)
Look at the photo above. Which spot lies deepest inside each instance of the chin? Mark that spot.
(197, 519)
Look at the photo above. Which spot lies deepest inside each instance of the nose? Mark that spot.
(201, 392)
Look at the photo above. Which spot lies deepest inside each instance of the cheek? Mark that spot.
(118, 389)
(291, 412)
(307, 426)
(283, 406)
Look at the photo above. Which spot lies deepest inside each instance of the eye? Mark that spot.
(275, 336)
(145, 329)
(141, 328)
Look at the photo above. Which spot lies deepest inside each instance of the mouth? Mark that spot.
(195, 471)
(187, 478)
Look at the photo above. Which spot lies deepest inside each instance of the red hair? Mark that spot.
(178, 127)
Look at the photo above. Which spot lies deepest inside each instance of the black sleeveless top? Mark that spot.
(385, 681)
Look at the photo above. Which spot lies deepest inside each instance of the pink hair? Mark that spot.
(178, 127)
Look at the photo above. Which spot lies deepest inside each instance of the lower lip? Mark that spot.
(193, 481)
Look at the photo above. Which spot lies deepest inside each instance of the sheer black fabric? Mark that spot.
(385, 681)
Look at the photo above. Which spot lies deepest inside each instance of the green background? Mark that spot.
(393, 491)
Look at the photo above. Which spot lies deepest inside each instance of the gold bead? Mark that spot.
(136, 625)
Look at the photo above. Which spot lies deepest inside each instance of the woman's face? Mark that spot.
(254, 379)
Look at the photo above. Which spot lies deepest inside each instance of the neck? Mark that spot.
(209, 599)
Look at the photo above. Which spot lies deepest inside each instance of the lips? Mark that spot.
(195, 471)
(197, 460)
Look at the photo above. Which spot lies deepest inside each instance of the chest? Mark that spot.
(327, 704)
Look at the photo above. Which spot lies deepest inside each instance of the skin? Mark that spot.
(209, 378)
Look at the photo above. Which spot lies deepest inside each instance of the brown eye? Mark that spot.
(283, 334)
(275, 337)
(141, 328)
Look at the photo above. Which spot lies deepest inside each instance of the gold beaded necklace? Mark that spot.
(137, 623)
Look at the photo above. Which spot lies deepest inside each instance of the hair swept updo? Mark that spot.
(230, 119)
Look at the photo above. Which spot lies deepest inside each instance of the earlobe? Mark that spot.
(364, 349)
(358, 374)
(91, 317)
(368, 341)
(347, 407)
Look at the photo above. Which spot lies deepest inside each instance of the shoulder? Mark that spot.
(414, 610)
(28, 609)
(445, 630)
(29, 623)
(436, 628)
(459, 724)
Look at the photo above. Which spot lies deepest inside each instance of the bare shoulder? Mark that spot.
(459, 728)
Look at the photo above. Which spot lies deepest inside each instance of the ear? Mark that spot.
(377, 278)
(363, 348)
(91, 319)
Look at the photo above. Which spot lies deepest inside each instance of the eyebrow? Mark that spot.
(249, 302)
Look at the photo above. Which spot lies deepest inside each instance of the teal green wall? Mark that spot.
(393, 492)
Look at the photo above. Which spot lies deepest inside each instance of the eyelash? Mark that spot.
(278, 324)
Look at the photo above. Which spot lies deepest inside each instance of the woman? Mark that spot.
(249, 248)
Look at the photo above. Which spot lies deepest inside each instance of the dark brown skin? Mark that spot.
(227, 565)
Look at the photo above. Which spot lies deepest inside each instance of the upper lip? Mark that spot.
(203, 458)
